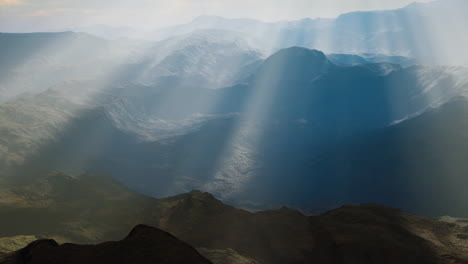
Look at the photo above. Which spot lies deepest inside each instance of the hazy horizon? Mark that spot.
(33, 16)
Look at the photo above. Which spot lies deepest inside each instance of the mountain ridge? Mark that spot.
(144, 244)
(275, 236)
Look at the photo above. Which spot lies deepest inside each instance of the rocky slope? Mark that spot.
(72, 209)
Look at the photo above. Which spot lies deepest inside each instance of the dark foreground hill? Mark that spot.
(144, 244)
(351, 234)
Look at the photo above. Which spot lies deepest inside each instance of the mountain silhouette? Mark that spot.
(144, 244)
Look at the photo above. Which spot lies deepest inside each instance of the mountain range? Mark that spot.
(33, 62)
(432, 32)
(256, 144)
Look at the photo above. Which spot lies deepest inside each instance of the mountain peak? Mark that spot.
(301, 52)
(295, 63)
(144, 244)
(199, 195)
(145, 232)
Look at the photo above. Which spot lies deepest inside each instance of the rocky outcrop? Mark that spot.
(144, 244)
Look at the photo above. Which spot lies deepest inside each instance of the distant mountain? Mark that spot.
(208, 22)
(418, 30)
(368, 58)
(361, 233)
(32, 63)
(205, 58)
(143, 245)
(347, 59)
(400, 60)
(109, 32)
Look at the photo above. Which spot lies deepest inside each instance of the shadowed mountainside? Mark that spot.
(419, 163)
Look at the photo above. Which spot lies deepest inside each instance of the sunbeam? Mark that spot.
(237, 126)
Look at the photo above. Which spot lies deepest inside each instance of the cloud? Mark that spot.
(10, 2)
(48, 12)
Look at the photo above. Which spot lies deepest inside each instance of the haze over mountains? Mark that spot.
(34, 62)
(254, 143)
(277, 124)
(210, 108)
(432, 32)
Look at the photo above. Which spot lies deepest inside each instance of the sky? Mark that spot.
(43, 15)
